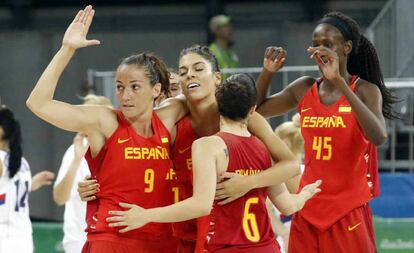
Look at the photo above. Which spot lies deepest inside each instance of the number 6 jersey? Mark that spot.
(14, 194)
(243, 225)
(337, 152)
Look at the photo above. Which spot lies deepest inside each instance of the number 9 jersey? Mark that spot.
(14, 195)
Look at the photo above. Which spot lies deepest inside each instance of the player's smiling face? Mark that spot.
(198, 81)
(134, 92)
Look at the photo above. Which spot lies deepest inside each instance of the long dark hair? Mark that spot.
(363, 61)
(12, 134)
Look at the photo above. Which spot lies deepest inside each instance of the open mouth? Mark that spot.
(193, 85)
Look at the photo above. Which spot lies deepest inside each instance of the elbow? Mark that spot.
(202, 209)
(30, 103)
(59, 200)
(381, 139)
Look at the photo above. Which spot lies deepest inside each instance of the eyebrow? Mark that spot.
(199, 62)
(133, 81)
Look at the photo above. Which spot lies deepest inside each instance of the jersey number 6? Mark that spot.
(249, 221)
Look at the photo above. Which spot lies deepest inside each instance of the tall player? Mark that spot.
(244, 224)
(129, 148)
(15, 184)
(342, 120)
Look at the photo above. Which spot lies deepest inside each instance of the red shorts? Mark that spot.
(269, 248)
(113, 244)
(353, 233)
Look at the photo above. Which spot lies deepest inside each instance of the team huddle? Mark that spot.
(194, 173)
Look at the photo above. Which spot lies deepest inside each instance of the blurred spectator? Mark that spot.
(221, 27)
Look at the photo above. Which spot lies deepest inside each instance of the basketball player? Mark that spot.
(200, 76)
(342, 120)
(129, 148)
(242, 225)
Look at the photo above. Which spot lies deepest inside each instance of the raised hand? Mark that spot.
(41, 179)
(79, 147)
(130, 219)
(75, 35)
(327, 61)
(274, 59)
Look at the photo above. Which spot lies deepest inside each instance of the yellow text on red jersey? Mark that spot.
(138, 153)
(246, 172)
(323, 122)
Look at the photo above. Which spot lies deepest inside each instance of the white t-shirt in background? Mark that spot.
(74, 217)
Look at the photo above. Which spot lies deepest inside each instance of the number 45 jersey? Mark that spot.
(336, 151)
(14, 194)
(243, 226)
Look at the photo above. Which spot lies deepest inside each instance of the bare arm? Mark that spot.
(40, 101)
(288, 203)
(204, 155)
(171, 110)
(62, 190)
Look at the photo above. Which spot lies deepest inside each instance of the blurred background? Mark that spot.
(31, 32)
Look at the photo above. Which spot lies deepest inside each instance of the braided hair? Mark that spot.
(363, 61)
(155, 69)
(12, 134)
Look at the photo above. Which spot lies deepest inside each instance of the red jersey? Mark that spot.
(131, 169)
(243, 225)
(337, 152)
(181, 156)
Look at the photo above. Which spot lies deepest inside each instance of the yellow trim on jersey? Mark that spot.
(344, 109)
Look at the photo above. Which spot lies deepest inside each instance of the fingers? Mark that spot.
(86, 13)
(126, 205)
(86, 199)
(275, 54)
(87, 182)
(92, 42)
(127, 229)
(89, 19)
(78, 16)
(228, 175)
(117, 213)
(115, 218)
(118, 224)
(227, 200)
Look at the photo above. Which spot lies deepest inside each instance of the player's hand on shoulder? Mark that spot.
(134, 217)
(87, 189)
(274, 59)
